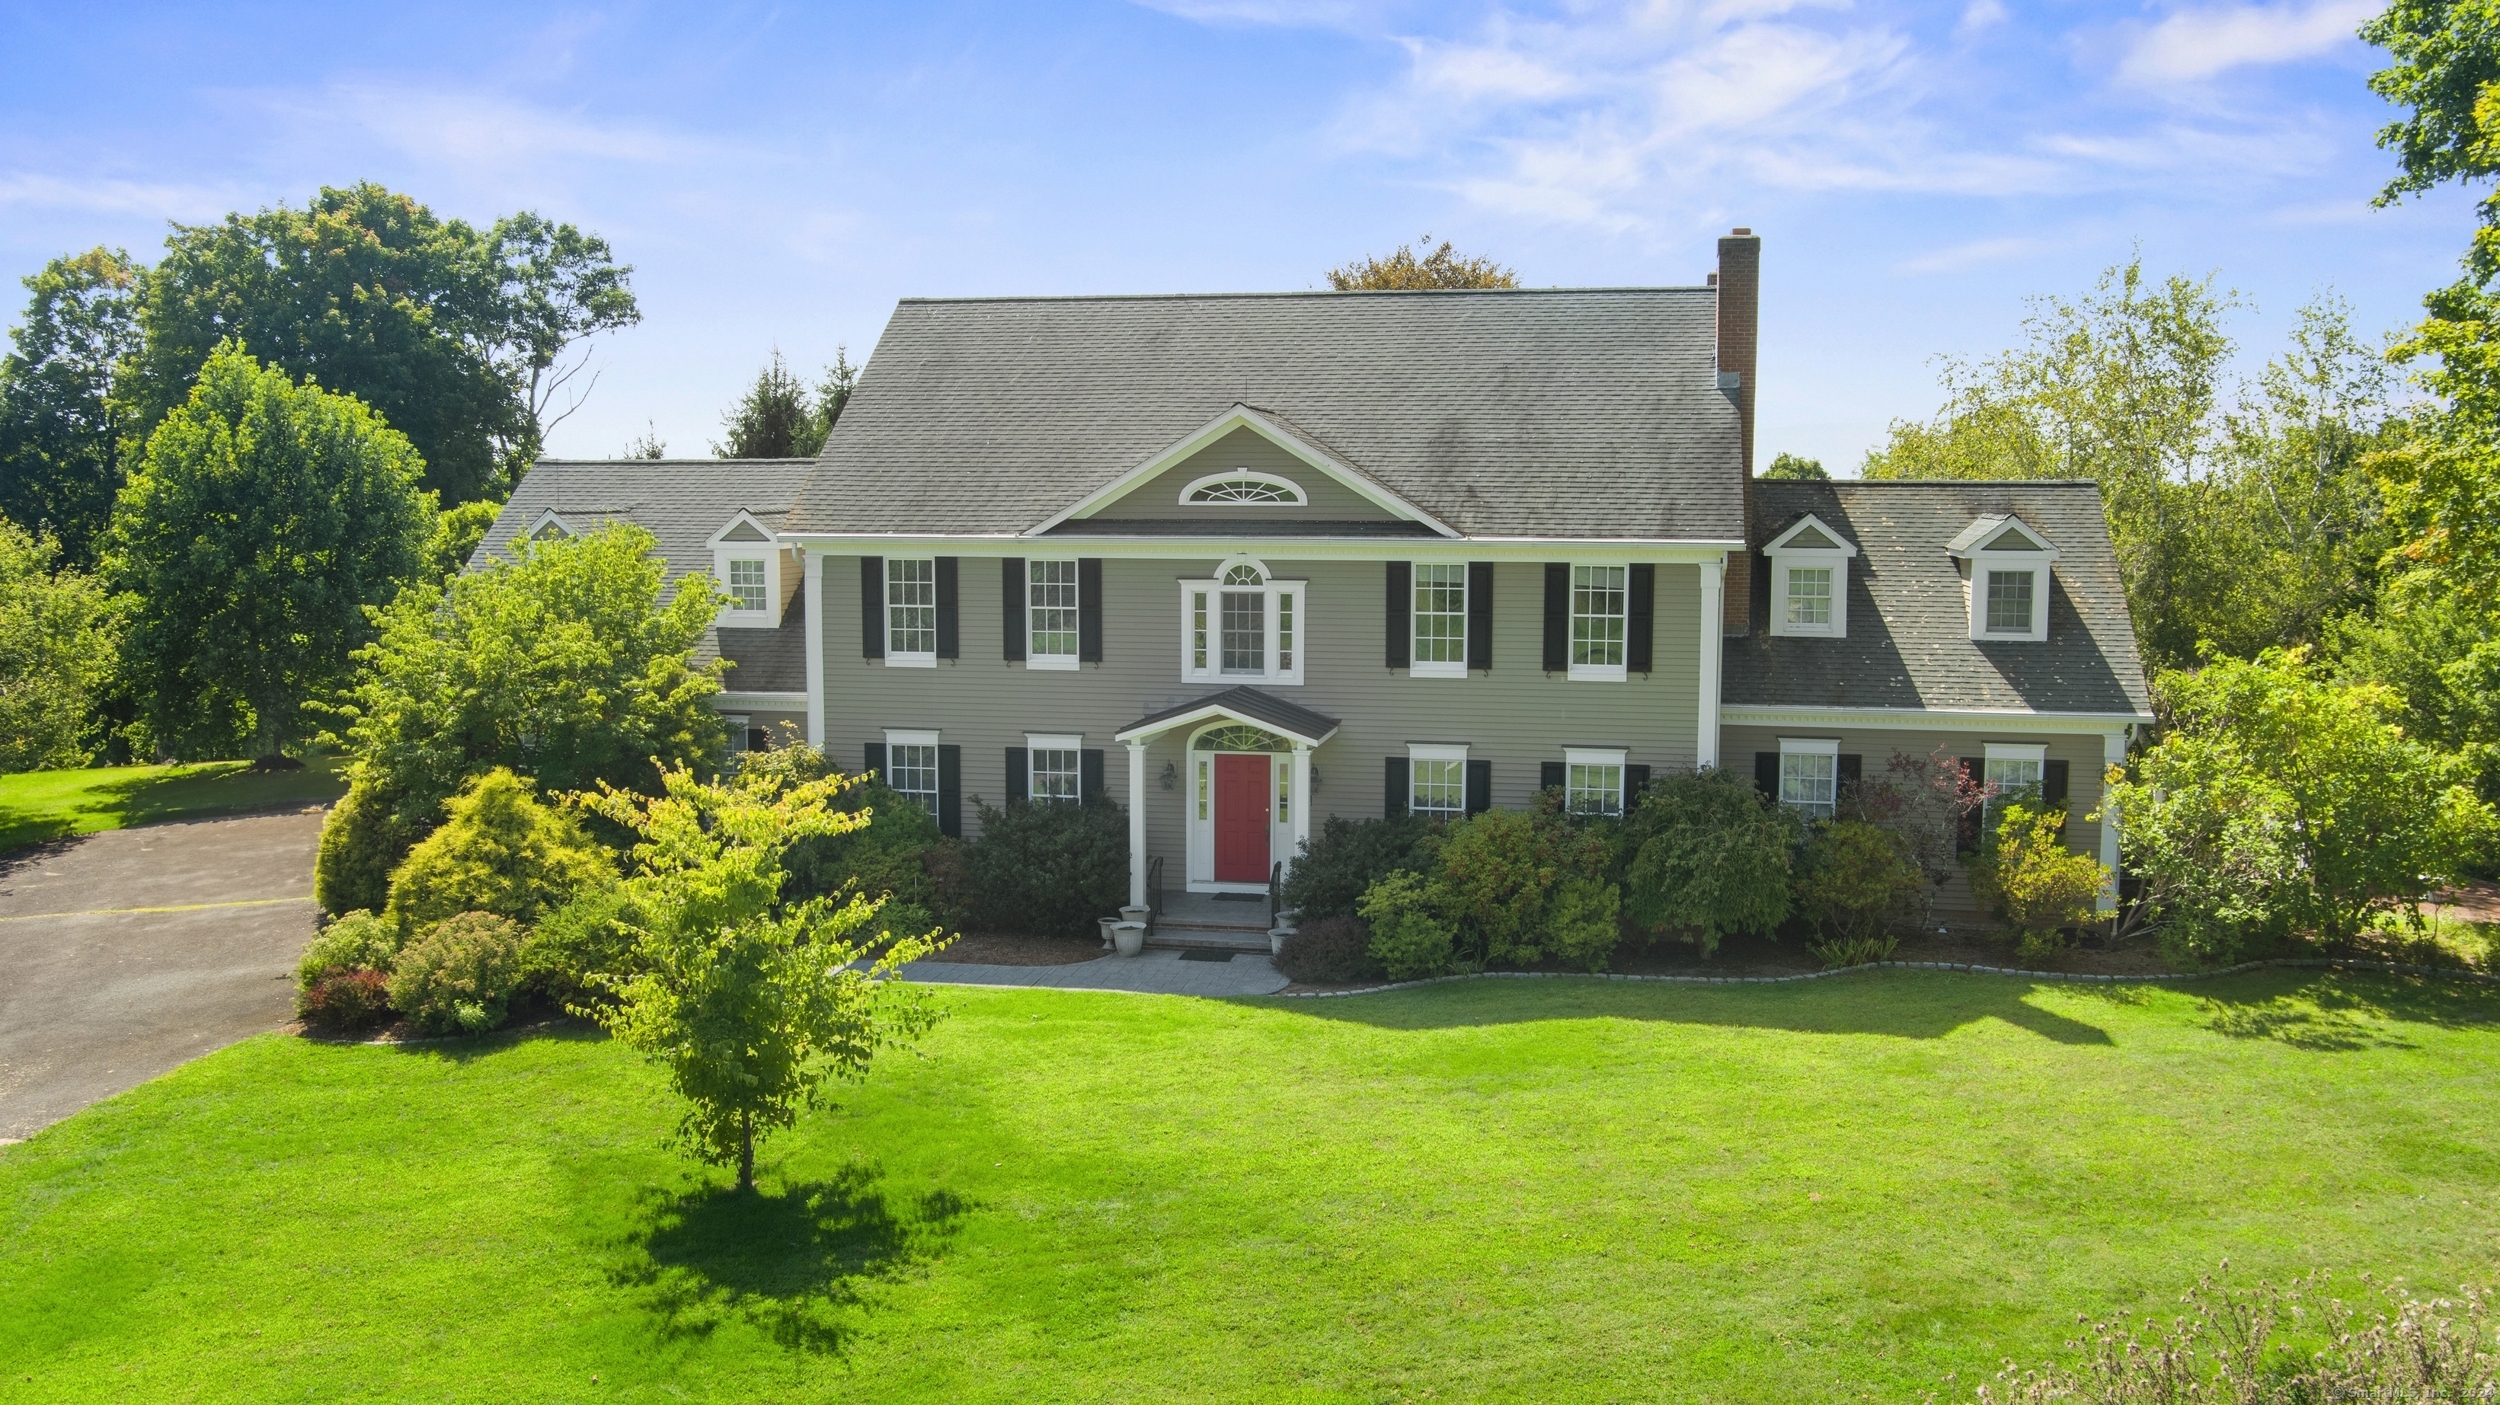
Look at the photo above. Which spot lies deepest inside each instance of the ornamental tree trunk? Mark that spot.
(746, 1151)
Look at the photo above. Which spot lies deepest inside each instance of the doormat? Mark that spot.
(1241, 897)
(1194, 954)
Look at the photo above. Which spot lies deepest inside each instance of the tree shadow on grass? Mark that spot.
(1904, 1004)
(2342, 1014)
(797, 1262)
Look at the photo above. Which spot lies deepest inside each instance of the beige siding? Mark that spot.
(1515, 715)
(1739, 745)
(1159, 497)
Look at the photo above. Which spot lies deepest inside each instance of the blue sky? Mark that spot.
(779, 175)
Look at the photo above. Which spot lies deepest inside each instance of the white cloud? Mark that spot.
(2195, 44)
(1972, 255)
(1979, 16)
(474, 130)
(110, 196)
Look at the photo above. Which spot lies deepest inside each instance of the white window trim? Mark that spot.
(1037, 742)
(1416, 665)
(1214, 587)
(1435, 751)
(546, 520)
(1596, 756)
(738, 728)
(2037, 753)
(904, 738)
(1300, 497)
(895, 658)
(894, 739)
(768, 551)
(1811, 746)
(1033, 658)
(1784, 556)
(2039, 564)
(1600, 672)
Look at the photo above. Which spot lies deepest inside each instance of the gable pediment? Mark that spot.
(1243, 471)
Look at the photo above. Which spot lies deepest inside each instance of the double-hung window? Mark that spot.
(1592, 781)
(1243, 625)
(911, 614)
(911, 767)
(1599, 596)
(1810, 776)
(1056, 763)
(1440, 620)
(1436, 781)
(746, 583)
(1810, 580)
(2009, 568)
(2009, 601)
(2013, 770)
(1810, 597)
(1050, 614)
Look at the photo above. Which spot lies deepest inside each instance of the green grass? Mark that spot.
(36, 806)
(1493, 1190)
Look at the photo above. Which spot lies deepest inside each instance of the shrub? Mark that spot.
(501, 852)
(1585, 923)
(1709, 856)
(889, 856)
(1329, 951)
(345, 999)
(1340, 863)
(1857, 876)
(578, 952)
(459, 974)
(2032, 881)
(1498, 875)
(1410, 940)
(359, 941)
(1049, 868)
(1854, 951)
(1928, 802)
(360, 844)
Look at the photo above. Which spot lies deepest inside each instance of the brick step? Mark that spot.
(1174, 935)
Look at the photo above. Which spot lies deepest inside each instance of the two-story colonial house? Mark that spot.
(1243, 562)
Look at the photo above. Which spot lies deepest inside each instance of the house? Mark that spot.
(1244, 562)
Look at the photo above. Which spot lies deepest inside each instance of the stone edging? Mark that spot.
(385, 1041)
(2399, 967)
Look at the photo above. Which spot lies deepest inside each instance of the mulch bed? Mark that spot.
(1017, 949)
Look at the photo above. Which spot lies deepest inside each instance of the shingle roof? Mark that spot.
(1256, 704)
(1567, 413)
(1909, 641)
(683, 502)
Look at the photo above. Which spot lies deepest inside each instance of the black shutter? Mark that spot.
(1480, 614)
(1549, 775)
(951, 791)
(1852, 767)
(1479, 786)
(1019, 776)
(1975, 770)
(872, 758)
(872, 607)
(1557, 617)
(1640, 610)
(1393, 791)
(1089, 782)
(2053, 789)
(1401, 624)
(1766, 774)
(1089, 609)
(1635, 785)
(948, 632)
(1011, 606)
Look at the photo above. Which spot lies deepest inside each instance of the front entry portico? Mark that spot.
(1249, 769)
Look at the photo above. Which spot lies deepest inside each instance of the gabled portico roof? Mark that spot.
(1291, 721)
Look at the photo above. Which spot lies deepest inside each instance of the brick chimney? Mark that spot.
(1739, 284)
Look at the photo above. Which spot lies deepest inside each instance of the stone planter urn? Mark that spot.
(1134, 914)
(1107, 923)
(1276, 940)
(1128, 937)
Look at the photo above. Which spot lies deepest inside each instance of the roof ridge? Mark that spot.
(1317, 293)
(1932, 482)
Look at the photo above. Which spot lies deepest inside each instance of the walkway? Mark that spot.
(126, 954)
(1153, 972)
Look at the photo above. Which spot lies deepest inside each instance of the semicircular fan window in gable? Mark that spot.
(1247, 488)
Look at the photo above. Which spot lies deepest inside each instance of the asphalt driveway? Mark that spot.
(126, 954)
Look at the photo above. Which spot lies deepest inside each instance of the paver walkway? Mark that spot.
(126, 954)
(1154, 972)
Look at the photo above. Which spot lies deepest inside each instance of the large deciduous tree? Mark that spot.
(61, 420)
(57, 648)
(263, 519)
(754, 1004)
(1434, 270)
(461, 338)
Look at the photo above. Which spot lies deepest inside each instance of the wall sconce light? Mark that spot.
(1315, 781)
(1171, 776)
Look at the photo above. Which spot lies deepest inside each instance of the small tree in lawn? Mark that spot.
(751, 1002)
(1708, 856)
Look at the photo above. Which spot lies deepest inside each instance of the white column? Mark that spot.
(1713, 645)
(2113, 753)
(1301, 800)
(1137, 824)
(816, 650)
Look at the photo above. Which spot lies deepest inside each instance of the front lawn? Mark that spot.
(40, 805)
(1511, 1190)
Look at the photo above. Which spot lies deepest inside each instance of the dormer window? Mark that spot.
(2007, 569)
(1810, 580)
(746, 584)
(1243, 488)
(549, 528)
(747, 563)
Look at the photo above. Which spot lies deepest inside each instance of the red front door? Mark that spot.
(1240, 818)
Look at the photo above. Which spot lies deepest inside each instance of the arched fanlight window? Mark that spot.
(1244, 574)
(1240, 736)
(1242, 488)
